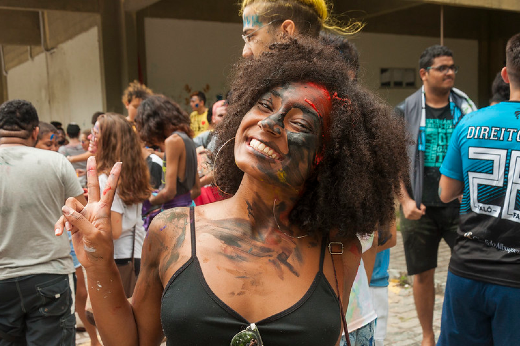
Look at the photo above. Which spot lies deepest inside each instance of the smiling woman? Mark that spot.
(355, 174)
(311, 160)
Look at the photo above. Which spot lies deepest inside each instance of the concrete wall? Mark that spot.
(187, 55)
(182, 53)
(65, 84)
(392, 51)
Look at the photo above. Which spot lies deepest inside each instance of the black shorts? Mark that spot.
(37, 310)
(421, 237)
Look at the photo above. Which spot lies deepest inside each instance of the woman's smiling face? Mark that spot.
(279, 138)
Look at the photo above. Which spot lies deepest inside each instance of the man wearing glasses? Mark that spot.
(430, 115)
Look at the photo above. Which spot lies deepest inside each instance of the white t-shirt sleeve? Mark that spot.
(366, 242)
(117, 205)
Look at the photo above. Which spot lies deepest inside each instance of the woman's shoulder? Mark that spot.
(174, 140)
(171, 222)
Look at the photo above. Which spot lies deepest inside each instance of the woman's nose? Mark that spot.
(272, 124)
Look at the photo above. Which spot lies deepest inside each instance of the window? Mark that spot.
(397, 78)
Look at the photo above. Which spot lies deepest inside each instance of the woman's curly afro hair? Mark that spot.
(352, 189)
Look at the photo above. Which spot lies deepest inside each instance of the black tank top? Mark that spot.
(191, 314)
(191, 166)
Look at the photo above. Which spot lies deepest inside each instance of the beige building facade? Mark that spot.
(74, 57)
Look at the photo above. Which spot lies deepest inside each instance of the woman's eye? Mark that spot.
(265, 105)
(302, 125)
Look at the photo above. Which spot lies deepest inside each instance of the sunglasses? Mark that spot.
(247, 337)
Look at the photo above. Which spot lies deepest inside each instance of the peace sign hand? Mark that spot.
(90, 225)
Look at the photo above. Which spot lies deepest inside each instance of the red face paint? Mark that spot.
(324, 120)
(108, 188)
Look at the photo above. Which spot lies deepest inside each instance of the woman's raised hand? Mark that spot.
(90, 225)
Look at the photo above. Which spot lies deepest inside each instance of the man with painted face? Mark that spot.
(483, 163)
(199, 116)
(430, 115)
(36, 268)
(269, 21)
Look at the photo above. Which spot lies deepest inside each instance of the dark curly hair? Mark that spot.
(136, 90)
(155, 114)
(364, 158)
(18, 115)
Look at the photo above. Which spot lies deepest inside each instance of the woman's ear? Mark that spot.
(288, 27)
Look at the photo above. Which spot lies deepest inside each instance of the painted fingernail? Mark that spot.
(56, 231)
(67, 210)
(68, 226)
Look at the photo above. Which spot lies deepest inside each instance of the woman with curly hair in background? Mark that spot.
(311, 160)
(161, 122)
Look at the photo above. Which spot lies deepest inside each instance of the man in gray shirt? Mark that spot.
(35, 266)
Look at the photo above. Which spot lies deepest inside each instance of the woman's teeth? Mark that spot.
(262, 148)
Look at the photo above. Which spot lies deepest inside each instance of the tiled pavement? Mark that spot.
(403, 326)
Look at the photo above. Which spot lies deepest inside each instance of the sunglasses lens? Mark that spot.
(245, 338)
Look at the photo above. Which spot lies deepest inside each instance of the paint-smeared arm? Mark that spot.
(92, 239)
(449, 188)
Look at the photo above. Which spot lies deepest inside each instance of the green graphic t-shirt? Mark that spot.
(439, 127)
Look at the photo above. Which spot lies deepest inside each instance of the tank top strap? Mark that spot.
(192, 232)
(324, 241)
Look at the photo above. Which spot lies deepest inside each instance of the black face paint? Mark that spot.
(287, 135)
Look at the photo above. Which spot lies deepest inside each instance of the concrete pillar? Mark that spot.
(111, 43)
(484, 84)
(491, 54)
(141, 48)
(3, 88)
(130, 50)
(119, 53)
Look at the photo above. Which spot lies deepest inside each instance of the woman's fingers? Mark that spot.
(110, 188)
(59, 226)
(63, 224)
(92, 180)
(75, 219)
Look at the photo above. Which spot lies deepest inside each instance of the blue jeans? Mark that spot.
(37, 310)
(363, 336)
(478, 313)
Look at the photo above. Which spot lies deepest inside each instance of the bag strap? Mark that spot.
(343, 319)
(133, 232)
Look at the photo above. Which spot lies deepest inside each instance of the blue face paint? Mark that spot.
(251, 21)
(53, 136)
(196, 105)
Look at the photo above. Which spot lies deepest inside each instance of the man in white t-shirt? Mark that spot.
(35, 266)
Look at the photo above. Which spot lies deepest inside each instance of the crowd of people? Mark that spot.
(266, 217)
